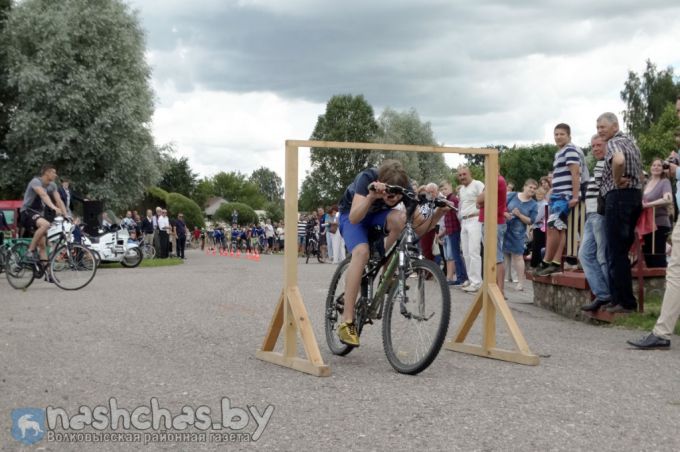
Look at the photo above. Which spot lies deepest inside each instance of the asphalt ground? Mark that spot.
(187, 335)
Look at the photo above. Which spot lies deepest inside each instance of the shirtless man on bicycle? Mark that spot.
(41, 192)
(366, 204)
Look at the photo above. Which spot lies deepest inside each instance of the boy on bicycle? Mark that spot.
(366, 204)
(41, 192)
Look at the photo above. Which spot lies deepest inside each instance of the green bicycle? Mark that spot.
(412, 295)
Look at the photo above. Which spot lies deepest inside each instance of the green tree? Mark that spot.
(274, 211)
(234, 187)
(347, 118)
(178, 203)
(520, 163)
(406, 128)
(246, 214)
(85, 103)
(646, 97)
(203, 191)
(177, 175)
(659, 140)
(269, 183)
(7, 94)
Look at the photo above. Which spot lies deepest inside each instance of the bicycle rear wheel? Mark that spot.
(72, 266)
(19, 275)
(148, 251)
(335, 304)
(308, 251)
(416, 318)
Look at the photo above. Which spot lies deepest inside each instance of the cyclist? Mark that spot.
(366, 204)
(41, 192)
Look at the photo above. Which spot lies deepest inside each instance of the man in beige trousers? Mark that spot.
(660, 337)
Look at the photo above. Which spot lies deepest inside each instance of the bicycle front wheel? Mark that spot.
(19, 275)
(72, 266)
(416, 318)
(335, 305)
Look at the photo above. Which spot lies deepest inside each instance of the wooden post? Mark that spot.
(290, 314)
(489, 299)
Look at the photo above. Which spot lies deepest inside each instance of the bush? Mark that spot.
(193, 216)
(157, 195)
(246, 214)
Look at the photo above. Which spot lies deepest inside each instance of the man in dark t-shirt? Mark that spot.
(180, 234)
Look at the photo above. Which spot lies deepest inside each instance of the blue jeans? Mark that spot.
(622, 210)
(452, 253)
(593, 256)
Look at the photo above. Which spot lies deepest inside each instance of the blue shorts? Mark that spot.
(356, 234)
(559, 211)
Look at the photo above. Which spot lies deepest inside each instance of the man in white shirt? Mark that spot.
(269, 235)
(163, 233)
(471, 228)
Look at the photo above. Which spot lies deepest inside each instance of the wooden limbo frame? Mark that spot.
(290, 314)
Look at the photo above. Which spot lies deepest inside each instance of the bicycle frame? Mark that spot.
(396, 258)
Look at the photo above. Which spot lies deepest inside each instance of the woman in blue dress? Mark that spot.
(521, 212)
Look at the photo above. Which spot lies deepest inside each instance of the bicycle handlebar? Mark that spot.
(421, 199)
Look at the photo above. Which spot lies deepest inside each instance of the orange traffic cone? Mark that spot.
(214, 252)
(257, 256)
(232, 252)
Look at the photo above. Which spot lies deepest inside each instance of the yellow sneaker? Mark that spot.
(347, 333)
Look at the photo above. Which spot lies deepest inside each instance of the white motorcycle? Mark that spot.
(115, 245)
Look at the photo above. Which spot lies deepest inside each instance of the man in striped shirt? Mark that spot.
(566, 189)
(622, 189)
(592, 253)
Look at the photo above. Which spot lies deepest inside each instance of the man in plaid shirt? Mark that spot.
(622, 190)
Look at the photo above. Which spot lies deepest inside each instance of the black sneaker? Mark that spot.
(548, 270)
(651, 342)
(31, 257)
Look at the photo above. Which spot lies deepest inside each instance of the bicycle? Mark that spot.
(5, 250)
(412, 295)
(71, 266)
(312, 246)
(148, 250)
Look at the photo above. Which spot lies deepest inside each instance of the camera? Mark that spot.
(667, 163)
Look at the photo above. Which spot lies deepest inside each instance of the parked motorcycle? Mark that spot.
(115, 245)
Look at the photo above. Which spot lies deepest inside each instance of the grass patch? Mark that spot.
(646, 320)
(147, 263)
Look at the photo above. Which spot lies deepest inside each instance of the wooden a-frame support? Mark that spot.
(290, 315)
(489, 299)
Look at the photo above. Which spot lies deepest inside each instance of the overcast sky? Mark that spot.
(235, 78)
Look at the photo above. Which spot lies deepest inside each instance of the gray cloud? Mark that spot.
(451, 60)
